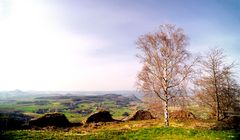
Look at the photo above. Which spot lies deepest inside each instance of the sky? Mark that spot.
(89, 45)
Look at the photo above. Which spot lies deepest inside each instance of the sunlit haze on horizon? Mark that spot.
(90, 45)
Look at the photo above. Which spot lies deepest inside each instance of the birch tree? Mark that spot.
(166, 64)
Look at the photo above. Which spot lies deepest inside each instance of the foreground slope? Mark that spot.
(150, 129)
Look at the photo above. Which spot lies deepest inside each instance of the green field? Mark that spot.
(76, 108)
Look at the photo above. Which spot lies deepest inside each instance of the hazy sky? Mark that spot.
(90, 44)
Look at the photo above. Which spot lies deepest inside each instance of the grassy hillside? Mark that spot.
(151, 129)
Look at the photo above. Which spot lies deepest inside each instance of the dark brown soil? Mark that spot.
(141, 115)
(101, 116)
(54, 119)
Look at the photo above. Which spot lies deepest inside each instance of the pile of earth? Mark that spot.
(182, 114)
(14, 120)
(53, 119)
(232, 122)
(141, 115)
(101, 116)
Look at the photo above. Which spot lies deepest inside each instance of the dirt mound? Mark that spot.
(101, 116)
(54, 119)
(182, 114)
(141, 115)
(13, 120)
(228, 123)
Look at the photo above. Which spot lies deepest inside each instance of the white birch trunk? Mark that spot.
(166, 114)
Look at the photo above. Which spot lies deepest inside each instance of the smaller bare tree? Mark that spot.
(216, 86)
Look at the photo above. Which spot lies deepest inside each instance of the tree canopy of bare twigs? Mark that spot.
(216, 86)
(166, 64)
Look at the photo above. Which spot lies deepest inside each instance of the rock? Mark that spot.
(141, 115)
(54, 119)
(101, 116)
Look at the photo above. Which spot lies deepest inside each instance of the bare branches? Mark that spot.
(166, 62)
(217, 87)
